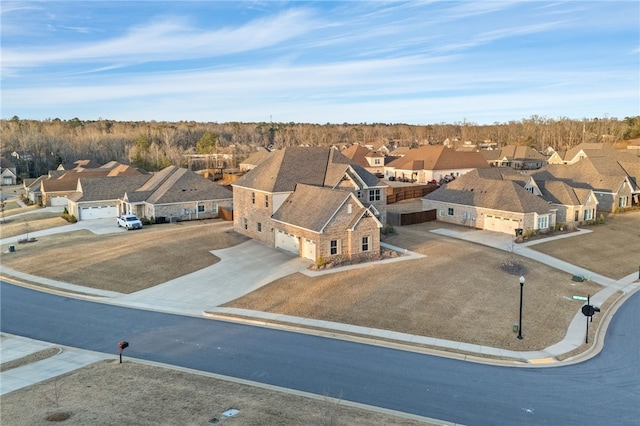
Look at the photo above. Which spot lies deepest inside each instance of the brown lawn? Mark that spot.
(108, 393)
(459, 291)
(610, 249)
(126, 261)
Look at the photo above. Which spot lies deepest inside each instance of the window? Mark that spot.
(200, 208)
(576, 216)
(266, 201)
(214, 208)
(259, 227)
(376, 161)
(359, 194)
(253, 198)
(450, 211)
(622, 202)
(374, 195)
(587, 215)
(365, 243)
(333, 247)
(245, 223)
(543, 222)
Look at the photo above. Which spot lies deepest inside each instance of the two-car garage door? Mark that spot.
(500, 224)
(98, 212)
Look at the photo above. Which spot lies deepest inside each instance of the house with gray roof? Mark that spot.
(172, 194)
(99, 197)
(8, 173)
(176, 194)
(613, 181)
(282, 181)
(574, 205)
(501, 205)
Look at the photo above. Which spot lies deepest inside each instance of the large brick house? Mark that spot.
(312, 201)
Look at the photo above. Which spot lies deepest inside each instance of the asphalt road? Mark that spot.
(605, 389)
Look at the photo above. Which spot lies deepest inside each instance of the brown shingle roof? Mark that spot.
(311, 207)
(282, 170)
(438, 157)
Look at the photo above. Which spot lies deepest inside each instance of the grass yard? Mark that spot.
(22, 225)
(127, 261)
(109, 393)
(611, 249)
(459, 291)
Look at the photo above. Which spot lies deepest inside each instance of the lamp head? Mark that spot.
(521, 280)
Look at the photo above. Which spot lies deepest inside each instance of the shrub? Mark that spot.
(320, 262)
(387, 229)
(69, 217)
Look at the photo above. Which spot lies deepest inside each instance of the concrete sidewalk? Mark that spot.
(66, 360)
(250, 265)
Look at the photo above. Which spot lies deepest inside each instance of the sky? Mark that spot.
(424, 62)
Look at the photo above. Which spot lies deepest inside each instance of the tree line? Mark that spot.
(37, 146)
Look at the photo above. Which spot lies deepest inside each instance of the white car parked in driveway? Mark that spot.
(129, 221)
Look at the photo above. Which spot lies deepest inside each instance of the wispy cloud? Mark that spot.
(167, 40)
(348, 61)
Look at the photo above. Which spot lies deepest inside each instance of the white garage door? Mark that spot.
(98, 212)
(59, 201)
(287, 242)
(308, 249)
(500, 224)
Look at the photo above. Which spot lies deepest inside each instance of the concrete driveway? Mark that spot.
(241, 270)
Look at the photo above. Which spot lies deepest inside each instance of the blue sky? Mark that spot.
(320, 62)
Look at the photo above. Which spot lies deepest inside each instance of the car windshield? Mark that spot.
(130, 218)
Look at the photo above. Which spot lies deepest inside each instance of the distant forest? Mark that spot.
(36, 147)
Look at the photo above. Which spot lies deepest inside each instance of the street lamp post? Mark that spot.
(520, 321)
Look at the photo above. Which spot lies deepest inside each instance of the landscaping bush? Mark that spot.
(69, 217)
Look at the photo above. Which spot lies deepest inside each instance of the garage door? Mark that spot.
(98, 212)
(7, 181)
(308, 249)
(59, 201)
(500, 224)
(287, 242)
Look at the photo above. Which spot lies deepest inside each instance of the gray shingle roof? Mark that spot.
(599, 174)
(507, 195)
(109, 188)
(179, 185)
